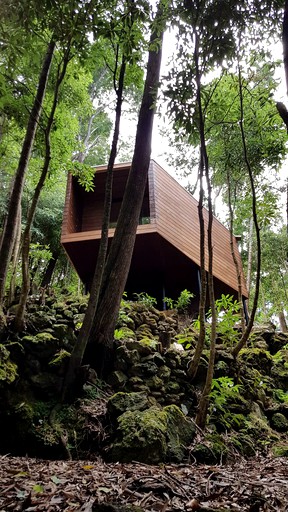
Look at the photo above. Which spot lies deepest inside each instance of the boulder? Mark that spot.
(279, 422)
(8, 369)
(117, 379)
(122, 402)
(152, 436)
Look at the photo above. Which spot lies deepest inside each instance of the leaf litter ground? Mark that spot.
(259, 484)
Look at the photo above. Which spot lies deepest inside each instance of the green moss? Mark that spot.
(141, 437)
(41, 337)
(279, 422)
(259, 431)
(257, 358)
(60, 357)
(44, 337)
(244, 444)
(180, 432)
(8, 369)
(122, 402)
(148, 342)
(212, 451)
(280, 450)
(152, 436)
(127, 333)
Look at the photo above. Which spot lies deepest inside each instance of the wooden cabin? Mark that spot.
(166, 255)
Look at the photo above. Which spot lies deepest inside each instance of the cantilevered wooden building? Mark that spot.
(166, 255)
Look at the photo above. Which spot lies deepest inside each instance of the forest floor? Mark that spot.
(254, 485)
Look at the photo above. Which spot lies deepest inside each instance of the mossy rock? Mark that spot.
(212, 451)
(172, 387)
(277, 342)
(127, 333)
(144, 346)
(64, 333)
(41, 320)
(8, 369)
(43, 345)
(122, 402)
(152, 436)
(280, 450)
(164, 373)
(180, 432)
(244, 444)
(117, 379)
(125, 357)
(279, 422)
(280, 376)
(257, 433)
(46, 384)
(155, 358)
(155, 382)
(257, 358)
(147, 369)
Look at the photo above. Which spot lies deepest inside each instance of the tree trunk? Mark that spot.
(80, 347)
(250, 256)
(15, 258)
(118, 263)
(8, 235)
(236, 264)
(285, 42)
(47, 276)
(282, 320)
(193, 367)
(19, 319)
(246, 333)
(204, 399)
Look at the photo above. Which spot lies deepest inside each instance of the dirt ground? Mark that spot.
(259, 484)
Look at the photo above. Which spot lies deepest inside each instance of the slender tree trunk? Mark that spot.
(236, 264)
(80, 346)
(19, 319)
(282, 320)
(120, 254)
(250, 256)
(285, 42)
(246, 333)
(15, 258)
(204, 399)
(193, 367)
(8, 236)
(47, 276)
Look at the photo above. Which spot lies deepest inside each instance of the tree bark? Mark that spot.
(246, 333)
(47, 276)
(236, 264)
(282, 321)
(204, 399)
(15, 258)
(80, 347)
(100, 345)
(285, 42)
(193, 367)
(8, 235)
(19, 319)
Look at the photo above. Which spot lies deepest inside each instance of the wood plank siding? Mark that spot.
(177, 221)
(167, 248)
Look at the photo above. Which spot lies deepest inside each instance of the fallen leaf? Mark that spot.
(38, 488)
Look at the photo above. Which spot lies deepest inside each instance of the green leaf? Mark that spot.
(38, 488)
